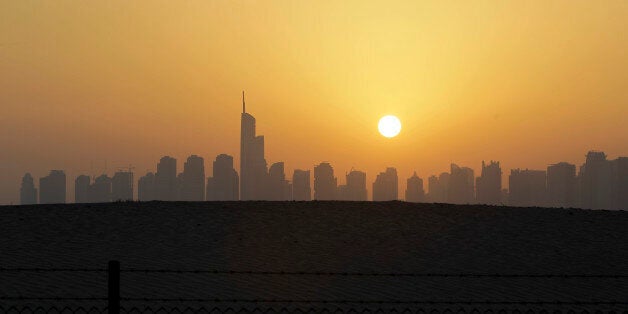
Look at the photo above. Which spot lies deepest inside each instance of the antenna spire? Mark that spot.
(243, 103)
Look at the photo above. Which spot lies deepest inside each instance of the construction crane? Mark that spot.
(130, 168)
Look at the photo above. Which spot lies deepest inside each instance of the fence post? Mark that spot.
(113, 296)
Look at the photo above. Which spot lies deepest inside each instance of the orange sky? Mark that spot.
(527, 83)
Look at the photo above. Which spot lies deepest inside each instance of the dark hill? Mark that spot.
(356, 237)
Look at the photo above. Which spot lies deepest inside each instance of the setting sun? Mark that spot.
(389, 126)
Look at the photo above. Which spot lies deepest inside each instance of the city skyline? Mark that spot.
(600, 183)
(248, 138)
(528, 84)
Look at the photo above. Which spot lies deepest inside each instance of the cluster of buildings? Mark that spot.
(599, 184)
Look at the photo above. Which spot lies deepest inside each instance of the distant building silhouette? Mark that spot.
(355, 189)
(461, 185)
(52, 188)
(122, 186)
(82, 186)
(596, 182)
(438, 188)
(527, 188)
(224, 185)
(620, 183)
(489, 184)
(301, 190)
(279, 189)
(192, 180)
(146, 188)
(100, 190)
(414, 189)
(28, 192)
(253, 166)
(325, 184)
(385, 187)
(561, 185)
(166, 179)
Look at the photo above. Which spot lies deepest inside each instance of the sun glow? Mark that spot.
(389, 126)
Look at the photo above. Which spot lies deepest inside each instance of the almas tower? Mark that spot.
(253, 167)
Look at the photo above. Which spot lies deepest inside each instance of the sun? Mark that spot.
(389, 126)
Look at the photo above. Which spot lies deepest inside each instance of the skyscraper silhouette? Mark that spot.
(489, 184)
(438, 188)
(146, 188)
(122, 186)
(279, 189)
(620, 183)
(100, 190)
(52, 188)
(325, 184)
(355, 189)
(224, 185)
(561, 185)
(192, 185)
(596, 182)
(166, 179)
(461, 185)
(253, 167)
(385, 187)
(527, 187)
(82, 186)
(414, 189)
(28, 192)
(301, 190)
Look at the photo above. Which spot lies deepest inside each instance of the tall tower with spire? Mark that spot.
(253, 167)
(414, 189)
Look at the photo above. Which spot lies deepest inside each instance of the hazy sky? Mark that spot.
(527, 83)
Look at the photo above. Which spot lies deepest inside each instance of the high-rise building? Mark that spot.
(301, 190)
(355, 189)
(253, 166)
(100, 190)
(52, 188)
(224, 185)
(596, 182)
(461, 185)
(325, 184)
(166, 179)
(489, 184)
(192, 183)
(527, 188)
(146, 188)
(414, 189)
(438, 188)
(561, 185)
(432, 187)
(122, 186)
(279, 189)
(620, 183)
(385, 187)
(82, 186)
(28, 192)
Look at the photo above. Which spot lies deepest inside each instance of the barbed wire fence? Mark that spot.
(114, 303)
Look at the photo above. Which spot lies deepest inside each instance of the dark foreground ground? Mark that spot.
(339, 247)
